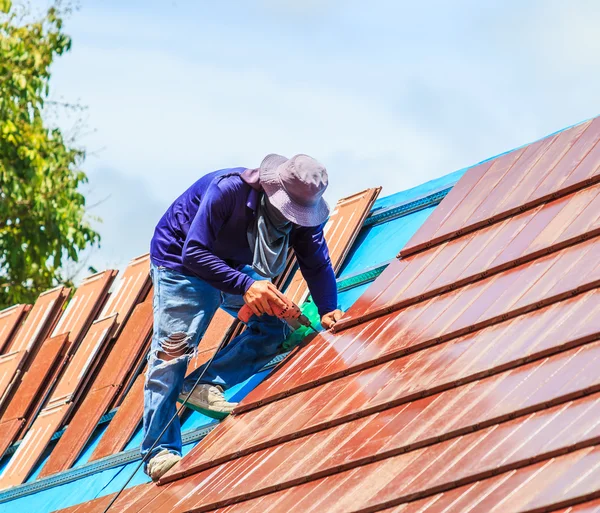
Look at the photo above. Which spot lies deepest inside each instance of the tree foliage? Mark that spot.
(42, 212)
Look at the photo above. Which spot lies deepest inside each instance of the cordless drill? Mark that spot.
(291, 314)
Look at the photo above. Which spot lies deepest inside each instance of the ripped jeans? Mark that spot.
(183, 308)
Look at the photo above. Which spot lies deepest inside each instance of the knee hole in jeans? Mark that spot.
(175, 345)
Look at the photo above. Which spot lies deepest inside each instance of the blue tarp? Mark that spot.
(381, 242)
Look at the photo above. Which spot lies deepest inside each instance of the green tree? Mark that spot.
(43, 222)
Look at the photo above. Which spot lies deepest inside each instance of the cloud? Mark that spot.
(214, 118)
(129, 213)
(384, 93)
(308, 8)
(568, 32)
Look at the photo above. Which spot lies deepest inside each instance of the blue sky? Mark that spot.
(388, 93)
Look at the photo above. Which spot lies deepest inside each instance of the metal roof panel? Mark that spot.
(33, 381)
(82, 361)
(10, 321)
(124, 423)
(84, 306)
(480, 392)
(131, 341)
(51, 418)
(40, 320)
(32, 445)
(133, 286)
(468, 208)
(389, 386)
(506, 295)
(34, 378)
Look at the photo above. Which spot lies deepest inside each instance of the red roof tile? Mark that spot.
(32, 383)
(75, 321)
(22, 348)
(518, 180)
(10, 321)
(52, 416)
(444, 317)
(123, 425)
(133, 339)
(132, 288)
(34, 380)
(40, 320)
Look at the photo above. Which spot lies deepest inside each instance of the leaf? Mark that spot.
(5, 5)
(43, 223)
(21, 80)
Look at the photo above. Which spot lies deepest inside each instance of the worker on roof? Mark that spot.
(219, 245)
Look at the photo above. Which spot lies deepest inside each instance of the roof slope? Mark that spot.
(464, 379)
(402, 213)
(49, 485)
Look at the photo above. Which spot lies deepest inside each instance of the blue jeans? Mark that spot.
(183, 308)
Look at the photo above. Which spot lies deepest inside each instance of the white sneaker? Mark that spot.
(209, 400)
(161, 464)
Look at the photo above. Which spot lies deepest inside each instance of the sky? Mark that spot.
(384, 92)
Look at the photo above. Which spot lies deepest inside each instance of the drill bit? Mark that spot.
(305, 321)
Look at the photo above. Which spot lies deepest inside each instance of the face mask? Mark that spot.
(269, 240)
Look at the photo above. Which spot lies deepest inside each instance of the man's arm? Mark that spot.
(198, 257)
(215, 208)
(313, 258)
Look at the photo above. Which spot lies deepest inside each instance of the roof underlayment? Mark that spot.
(463, 379)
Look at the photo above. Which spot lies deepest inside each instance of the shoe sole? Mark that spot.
(217, 415)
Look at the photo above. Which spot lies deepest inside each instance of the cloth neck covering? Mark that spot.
(269, 239)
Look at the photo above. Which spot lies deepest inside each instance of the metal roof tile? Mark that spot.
(124, 423)
(507, 295)
(132, 288)
(10, 321)
(132, 340)
(466, 208)
(52, 416)
(390, 386)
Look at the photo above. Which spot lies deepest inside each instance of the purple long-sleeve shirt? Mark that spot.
(204, 233)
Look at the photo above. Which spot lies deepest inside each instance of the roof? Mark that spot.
(463, 379)
(96, 443)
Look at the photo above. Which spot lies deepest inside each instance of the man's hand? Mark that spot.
(261, 295)
(328, 320)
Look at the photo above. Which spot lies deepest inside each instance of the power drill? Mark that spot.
(291, 314)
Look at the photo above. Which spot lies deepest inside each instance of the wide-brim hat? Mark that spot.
(295, 187)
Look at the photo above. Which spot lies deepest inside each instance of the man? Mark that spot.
(218, 245)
